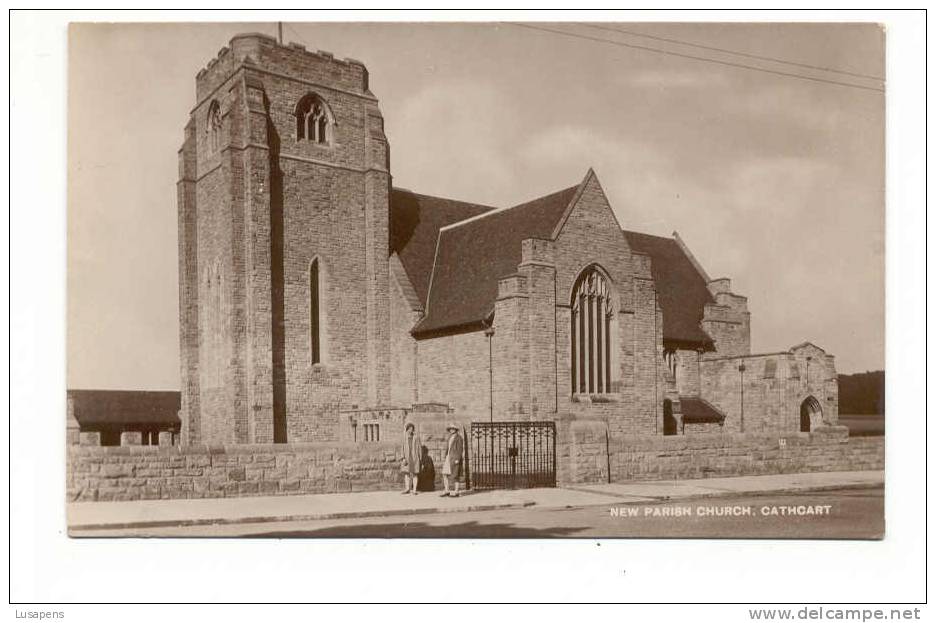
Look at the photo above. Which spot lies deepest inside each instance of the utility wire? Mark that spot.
(293, 31)
(696, 58)
(744, 54)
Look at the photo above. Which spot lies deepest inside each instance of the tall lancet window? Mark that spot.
(213, 127)
(315, 341)
(591, 330)
(213, 323)
(313, 120)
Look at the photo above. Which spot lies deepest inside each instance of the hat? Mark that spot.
(451, 426)
(409, 425)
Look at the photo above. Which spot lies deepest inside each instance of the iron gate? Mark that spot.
(512, 455)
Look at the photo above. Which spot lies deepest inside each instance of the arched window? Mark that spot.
(213, 127)
(592, 315)
(313, 120)
(315, 341)
(670, 361)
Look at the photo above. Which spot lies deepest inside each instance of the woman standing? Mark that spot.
(412, 453)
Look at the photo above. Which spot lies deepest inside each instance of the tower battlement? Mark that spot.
(293, 60)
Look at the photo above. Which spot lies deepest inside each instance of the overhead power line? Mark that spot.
(293, 31)
(695, 58)
(734, 52)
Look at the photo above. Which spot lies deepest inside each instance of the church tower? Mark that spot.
(283, 246)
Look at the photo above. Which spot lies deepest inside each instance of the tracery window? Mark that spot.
(592, 315)
(313, 120)
(213, 127)
(670, 361)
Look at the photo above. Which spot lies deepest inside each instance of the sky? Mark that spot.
(774, 181)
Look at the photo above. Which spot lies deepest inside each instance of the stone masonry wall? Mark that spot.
(152, 473)
(96, 473)
(767, 394)
(687, 372)
(590, 236)
(403, 347)
(268, 205)
(586, 454)
(509, 353)
(701, 456)
(455, 370)
(648, 378)
(727, 320)
(188, 288)
(703, 428)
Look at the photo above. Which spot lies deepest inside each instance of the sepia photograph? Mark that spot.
(476, 280)
(316, 308)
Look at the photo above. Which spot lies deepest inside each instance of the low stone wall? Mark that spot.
(171, 472)
(153, 472)
(592, 454)
(703, 428)
(585, 452)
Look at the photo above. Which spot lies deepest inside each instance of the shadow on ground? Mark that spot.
(423, 530)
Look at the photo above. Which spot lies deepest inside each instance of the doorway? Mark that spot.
(810, 412)
(669, 421)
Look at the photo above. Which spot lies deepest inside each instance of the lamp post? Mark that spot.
(489, 332)
(741, 370)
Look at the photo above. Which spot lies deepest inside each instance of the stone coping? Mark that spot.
(578, 428)
(264, 448)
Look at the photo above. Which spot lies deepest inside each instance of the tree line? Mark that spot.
(862, 393)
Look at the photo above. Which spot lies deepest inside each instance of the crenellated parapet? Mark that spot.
(727, 320)
(291, 60)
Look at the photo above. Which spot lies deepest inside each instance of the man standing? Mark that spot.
(452, 462)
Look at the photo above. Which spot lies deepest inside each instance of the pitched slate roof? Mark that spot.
(461, 249)
(474, 254)
(415, 221)
(699, 411)
(681, 290)
(95, 407)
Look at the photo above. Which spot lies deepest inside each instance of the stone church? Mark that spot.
(318, 302)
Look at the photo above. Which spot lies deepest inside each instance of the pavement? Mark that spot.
(89, 516)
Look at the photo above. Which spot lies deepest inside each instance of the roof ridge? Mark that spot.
(471, 203)
(641, 233)
(692, 258)
(435, 259)
(504, 209)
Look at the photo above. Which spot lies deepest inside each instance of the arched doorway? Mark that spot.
(669, 422)
(810, 411)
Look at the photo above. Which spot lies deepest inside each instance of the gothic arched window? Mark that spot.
(313, 120)
(213, 127)
(592, 315)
